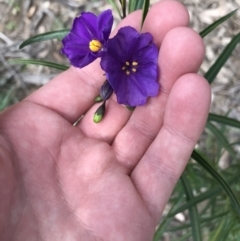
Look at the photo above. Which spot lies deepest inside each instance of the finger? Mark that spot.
(186, 112)
(72, 93)
(182, 52)
(158, 22)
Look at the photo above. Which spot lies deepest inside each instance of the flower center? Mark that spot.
(130, 67)
(95, 45)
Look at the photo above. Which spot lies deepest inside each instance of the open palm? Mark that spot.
(106, 181)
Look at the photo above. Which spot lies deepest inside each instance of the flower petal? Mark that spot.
(105, 22)
(134, 89)
(145, 50)
(86, 26)
(127, 92)
(77, 51)
(145, 80)
(124, 44)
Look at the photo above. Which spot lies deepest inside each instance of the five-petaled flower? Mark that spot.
(130, 63)
(87, 38)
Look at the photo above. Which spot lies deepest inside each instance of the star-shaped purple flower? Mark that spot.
(87, 38)
(130, 63)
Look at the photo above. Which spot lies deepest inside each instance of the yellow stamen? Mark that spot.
(127, 63)
(124, 67)
(134, 63)
(134, 69)
(95, 45)
(127, 72)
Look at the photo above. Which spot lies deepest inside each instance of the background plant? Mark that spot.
(206, 197)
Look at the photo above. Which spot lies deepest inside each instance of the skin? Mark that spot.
(106, 181)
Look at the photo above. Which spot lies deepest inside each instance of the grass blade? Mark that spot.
(123, 5)
(131, 5)
(200, 159)
(60, 34)
(216, 67)
(145, 9)
(115, 6)
(211, 27)
(203, 221)
(193, 213)
(221, 138)
(223, 230)
(39, 62)
(183, 237)
(224, 120)
(135, 5)
(162, 227)
(5, 99)
(202, 197)
(139, 4)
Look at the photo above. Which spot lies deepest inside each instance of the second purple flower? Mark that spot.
(131, 66)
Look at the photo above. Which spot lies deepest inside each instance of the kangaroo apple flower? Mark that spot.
(87, 39)
(131, 66)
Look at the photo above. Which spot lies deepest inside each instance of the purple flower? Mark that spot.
(87, 38)
(130, 63)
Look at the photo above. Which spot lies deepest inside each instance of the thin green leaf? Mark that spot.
(223, 229)
(211, 27)
(39, 62)
(216, 232)
(115, 6)
(5, 99)
(131, 6)
(60, 34)
(204, 196)
(203, 221)
(234, 143)
(183, 237)
(161, 228)
(123, 5)
(193, 213)
(145, 9)
(200, 159)
(221, 138)
(224, 120)
(139, 4)
(216, 67)
(135, 5)
(209, 206)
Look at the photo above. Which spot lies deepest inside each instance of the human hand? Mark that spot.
(111, 180)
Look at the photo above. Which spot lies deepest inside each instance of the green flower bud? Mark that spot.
(99, 114)
(131, 108)
(98, 99)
